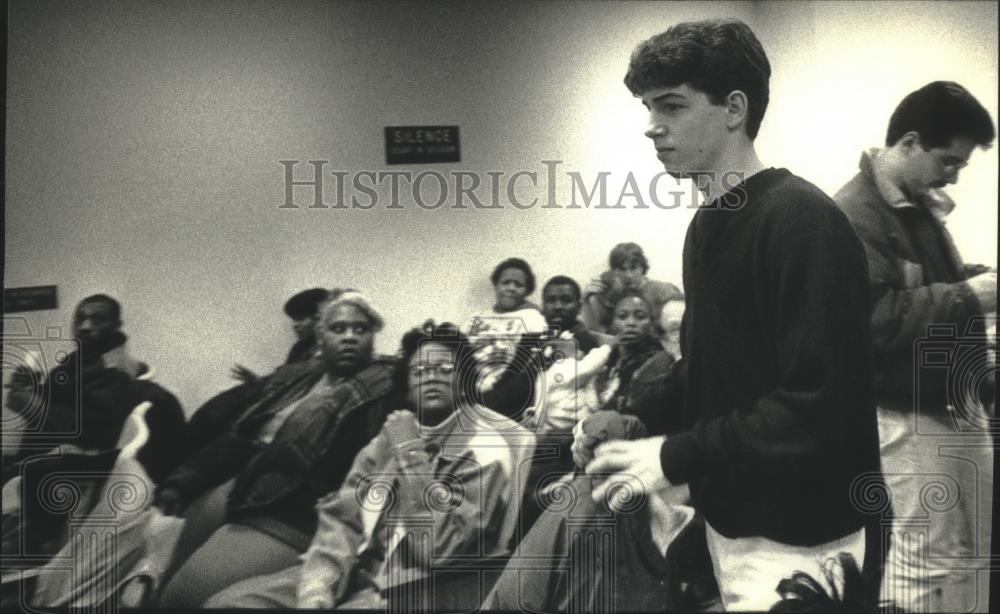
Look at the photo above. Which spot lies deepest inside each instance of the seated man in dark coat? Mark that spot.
(73, 419)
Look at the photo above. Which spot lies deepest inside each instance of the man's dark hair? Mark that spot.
(563, 280)
(624, 254)
(113, 305)
(305, 303)
(714, 56)
(448, 335)
(939, 112)
(515, 263)
(618, 296)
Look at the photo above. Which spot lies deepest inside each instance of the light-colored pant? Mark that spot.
(279, 591)
(939, 471)
(748, 569)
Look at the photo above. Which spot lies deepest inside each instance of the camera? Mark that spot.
(521, 374)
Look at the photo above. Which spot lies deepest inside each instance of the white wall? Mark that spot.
(143, 140)
(839, 70)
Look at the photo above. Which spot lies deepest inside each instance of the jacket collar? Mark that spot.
(873, 167)
(936, 202)
(119, 358)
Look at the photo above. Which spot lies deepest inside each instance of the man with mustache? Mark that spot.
(561, 304)
(920, 289)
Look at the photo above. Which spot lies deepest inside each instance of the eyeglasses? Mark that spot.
(444, 369)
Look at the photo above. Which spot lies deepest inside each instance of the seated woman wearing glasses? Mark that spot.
(438, 482)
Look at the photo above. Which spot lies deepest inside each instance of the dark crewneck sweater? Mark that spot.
(777, 406)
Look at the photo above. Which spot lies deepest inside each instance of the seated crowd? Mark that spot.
(345, 478)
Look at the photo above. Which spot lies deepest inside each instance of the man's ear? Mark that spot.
(737, 106)
(909, 141)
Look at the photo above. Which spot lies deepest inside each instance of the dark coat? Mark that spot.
(310, 453)
(917, 279)
(85, 404)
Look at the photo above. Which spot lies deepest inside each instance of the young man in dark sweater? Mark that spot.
(780, 441)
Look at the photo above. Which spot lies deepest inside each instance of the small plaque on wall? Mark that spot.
(421, 144)
(33, 298)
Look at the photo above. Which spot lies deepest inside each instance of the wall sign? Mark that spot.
(34, 298)
(421, 144)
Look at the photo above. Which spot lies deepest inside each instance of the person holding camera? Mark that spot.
(927, 302)
(566, 338)
(505, 336)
